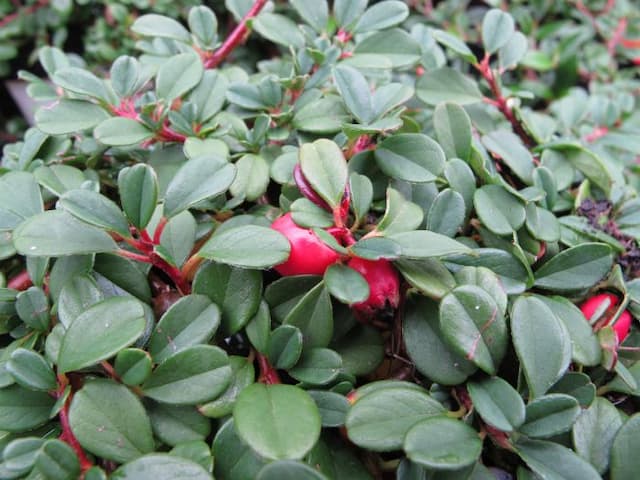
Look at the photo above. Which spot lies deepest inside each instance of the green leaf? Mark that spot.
(333, 407)
(56, 460)
(497, 29)
(56, 233)
(380, 420)
(400, 214)
(153, 25)
(510, 149)
(235, 460)
(124, 75)
(576, 268)
(586, 349)
(313, 315)
(198, 179)
(193, 375)
(512, 52)
(120, 131)
(133, 366)
(446, 214)
(325, 168)
(243, 376)
(453, 129)
(375, 248)
(31, 370)
(429, 276)
(32, 306)
(252, 177)
(285, 346)
(100, 332)
(178, 238)
(346, 284)
(487, 280)
(361, 190)
(541, 343)
(192, 320)
(125, 273)
(362, 351)
(174, 425)
(550, 415)
(263, 414)
(315, 14)
(81, 81)
(474, 327)
(454, 43)
(393, 48)
(442, 443)
(20, 199)
(348, 11)
(59, 179)
(498, 403)
(237, 291)
(594, 432)
(318, 366)
(209, 95)
(110, 421)
(590, 164)
(22, 409)
(289, 470)
(550, 460)
(204, 25)
(69, 116)
(20, 453)
(307, 214)
(160, 466)
(95, 209)
(500, 211)
(382, 15)
(447, 85)
(542, 224)
(249, 246)
(413, 157)
(624, 459)
(279, 29)
(178, 75)
(322, 116)
(354, 89)
(420, 244)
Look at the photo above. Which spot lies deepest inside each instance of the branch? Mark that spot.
(236, 37)
(26, 11)
(67, 434)
(500, 102)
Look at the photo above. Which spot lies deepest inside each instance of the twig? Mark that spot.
(236, 37)
(26, 11)
(500, 102)
(67, 434)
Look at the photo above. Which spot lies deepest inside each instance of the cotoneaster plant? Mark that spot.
(329, 241)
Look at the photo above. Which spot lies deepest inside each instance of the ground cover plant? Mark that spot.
(329, 240)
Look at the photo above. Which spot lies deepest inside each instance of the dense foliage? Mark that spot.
(329, 241)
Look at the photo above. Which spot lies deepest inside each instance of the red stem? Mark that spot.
(159, 229)
(21, 282)
(174, 273)
(134, 256)
(67, 434)
(26, 11)
(235, 38)
(500, 102)
(268, 374)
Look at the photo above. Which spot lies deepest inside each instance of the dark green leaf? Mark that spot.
(541, 343)
(313, 315)
(110, 325)
(447, 85)
(263, 414)
(498, 403)
(453, 129)
(56, 233)
(95, 209)
(346, 284)
(109, 421)
(550, 460)
(22, 409)
(576, 268)
(325, 168)
(412, 157)
(160, 466)
(474, 327)
(550, 415)
(193, 375)
(442, 443)
(31, 370)
(500, 211)
(121, 131)
(318, 366)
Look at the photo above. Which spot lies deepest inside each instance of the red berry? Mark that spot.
(384, 288)
(309, 255)
(622, 325)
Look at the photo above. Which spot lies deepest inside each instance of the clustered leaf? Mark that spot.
(470, 187)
